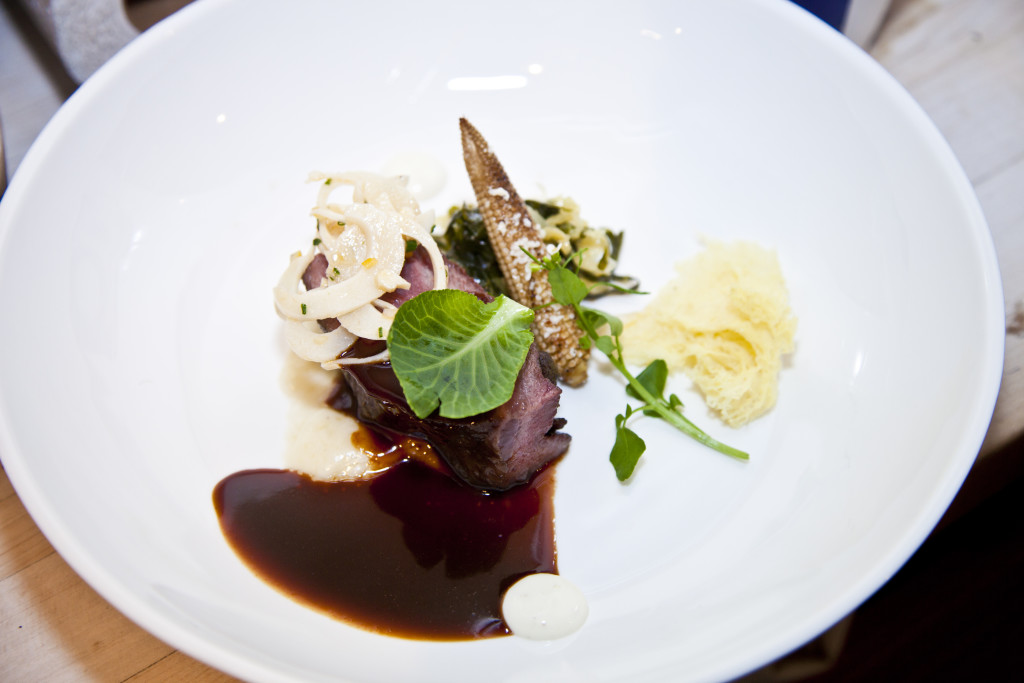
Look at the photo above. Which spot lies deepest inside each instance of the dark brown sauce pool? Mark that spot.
(412, 552)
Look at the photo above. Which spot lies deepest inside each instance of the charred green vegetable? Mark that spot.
(595, 251)
(465, 242)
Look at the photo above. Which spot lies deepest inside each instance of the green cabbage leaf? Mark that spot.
(456, 354)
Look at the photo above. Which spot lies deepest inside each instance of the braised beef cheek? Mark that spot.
(496, 450)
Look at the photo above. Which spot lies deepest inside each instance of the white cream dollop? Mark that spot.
(425, 173)
(544, 607)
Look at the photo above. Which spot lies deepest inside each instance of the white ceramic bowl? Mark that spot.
(144, 231)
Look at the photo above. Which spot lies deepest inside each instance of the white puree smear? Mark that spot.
(544, 607)
(319, 438)
(426, 174)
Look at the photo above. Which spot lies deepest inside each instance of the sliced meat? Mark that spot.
(314, 274)
(496, 450)
(418, 271)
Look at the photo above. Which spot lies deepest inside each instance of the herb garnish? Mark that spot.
(648, 387)
(451, 349)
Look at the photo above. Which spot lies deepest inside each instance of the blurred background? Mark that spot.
(956, 609)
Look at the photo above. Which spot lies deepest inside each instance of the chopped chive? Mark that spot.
(303, 309)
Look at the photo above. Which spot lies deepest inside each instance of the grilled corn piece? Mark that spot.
(511, 232)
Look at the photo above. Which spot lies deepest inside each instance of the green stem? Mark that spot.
(674, 417)
(657, 404)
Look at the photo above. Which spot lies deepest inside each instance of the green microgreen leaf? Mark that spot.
(566, 286)
(605, 344)
(626, 451)
(652, 378)
(649, 386)
(597, 318)
(450, 349)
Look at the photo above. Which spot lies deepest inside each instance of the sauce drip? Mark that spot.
(411, 552)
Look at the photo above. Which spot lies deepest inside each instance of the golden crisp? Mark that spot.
(725, 321)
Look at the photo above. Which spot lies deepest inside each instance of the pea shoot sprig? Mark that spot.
(648, 386)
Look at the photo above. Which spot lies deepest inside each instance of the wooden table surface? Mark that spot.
(963, 60)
